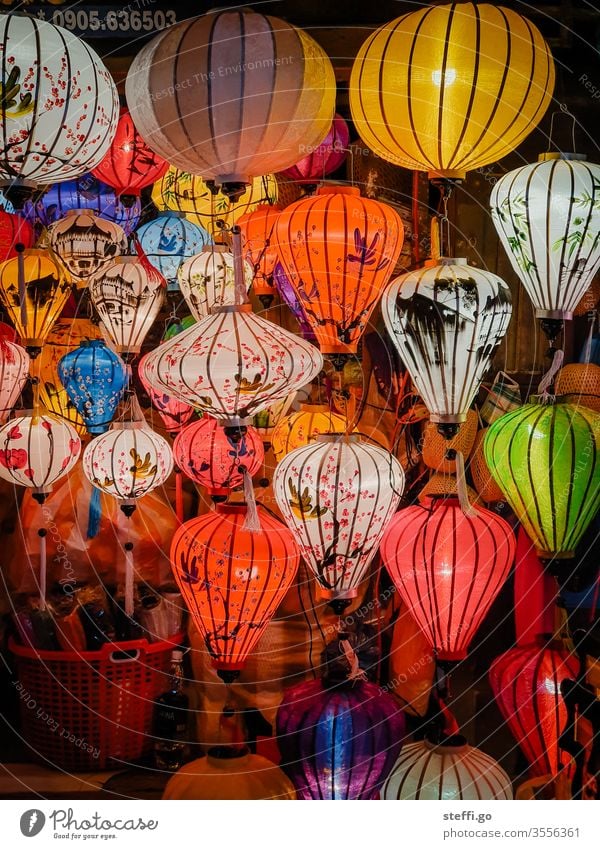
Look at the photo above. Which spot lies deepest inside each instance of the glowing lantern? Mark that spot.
(259, 249)
(338, 251)
(446, 322)
(207, 280)
(85, 243)
(168, 240)
(448, 567)
(450, 88)
(323, 159)
(213, 458)
(60, 105)
(232, 364)
(36, 450)
(34, 296)
(526, 685)
(544, 457)
(232, 126)
(338, 494)
(95, 379)
(14, 230)
(174, 414)
(300, 428)
(129, 165)
(14, 368)
(128, 295)
(232, 579)
(269, 418)
(290, 298)
(450, 771)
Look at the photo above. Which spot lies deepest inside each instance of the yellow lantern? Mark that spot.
(300, 428)
(447, 89)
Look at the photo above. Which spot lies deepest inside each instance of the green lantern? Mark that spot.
(545, 458)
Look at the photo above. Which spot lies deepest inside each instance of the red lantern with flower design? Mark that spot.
(14, 230)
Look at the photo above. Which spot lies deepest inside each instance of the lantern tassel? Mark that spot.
(461, 486)
(548, 379)
(252, 521)
(94, 513)
(129, 573)
(587, 348)
(355, 673)
(43, 561)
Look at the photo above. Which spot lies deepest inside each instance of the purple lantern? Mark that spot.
(323, 159)
(290, 299)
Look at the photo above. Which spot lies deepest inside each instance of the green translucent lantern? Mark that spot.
(546, 460)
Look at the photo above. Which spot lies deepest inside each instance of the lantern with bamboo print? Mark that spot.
(14, 230)
(447, 321)
(259, 249)
(14, 368)
(85, 243)
(207, 280)
(323, 159)
(233, 579)
(168, 240)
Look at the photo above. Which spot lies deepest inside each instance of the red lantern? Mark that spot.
(257, 244)
(14, 230)
(232, 579)
(448, 566)
(323, 159)
(526, 685)
(174, 414)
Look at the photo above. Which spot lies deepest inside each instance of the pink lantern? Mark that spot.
(14, 368)
(323, 159)
(175, 414)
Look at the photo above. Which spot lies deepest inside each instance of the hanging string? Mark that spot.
(415, 218)
(592, 315)
(20, 248)
(241, 296)
(548, 379)
(461, 483)
(562, 110)
(129, 575)
(43, 568)
(355, 672)
(252, 520)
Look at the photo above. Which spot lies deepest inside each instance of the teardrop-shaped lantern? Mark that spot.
(526, 685)
(338, 250)
(168, 240)
(259, 248)
(317, 162)
(85, 243)
(14, 230)
(232, 579)
(14, 368)
(232, 364)
(207, 280)
(291, 299)
(299, 428)
(545, 458)
(448, 567)
(128, 295)
(174, 413)
(95, 379)
(338, 495)
(446, 322)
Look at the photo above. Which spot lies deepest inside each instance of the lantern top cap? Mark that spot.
(548, 156)
(455, 745)
(338, 189)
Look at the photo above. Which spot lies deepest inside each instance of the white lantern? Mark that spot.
(14, 368)
(207, 280)
(85, 243)
(447, 321)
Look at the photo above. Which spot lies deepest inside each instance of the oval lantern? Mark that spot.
(338, 495)
(448, 567)
(450, 771)
(450, 88)
(290, 298)
(338, 251)
(544, 457)
(168, 240)
(174, 414)
(446, 322)
(60, 106)
(299, 428)
(547, 216)
(207, 280)
(14, 230)
(36, 451)
(14, 368)
(323, 159)
(526, 685)
(212, 458)
(277, 91)
(259, 249)
(84, 243)
(232, 580)
(95, 379)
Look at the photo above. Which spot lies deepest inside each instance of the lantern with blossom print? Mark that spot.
(95, 379)
(207, 280)
(174, 414)
(14, 368)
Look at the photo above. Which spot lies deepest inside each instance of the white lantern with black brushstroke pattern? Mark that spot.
(447, 321)
(85, 243)
(207, 280)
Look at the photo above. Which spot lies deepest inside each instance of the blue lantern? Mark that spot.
(168, 240)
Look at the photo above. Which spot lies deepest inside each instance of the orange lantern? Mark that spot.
(257, 244)
(304, 426)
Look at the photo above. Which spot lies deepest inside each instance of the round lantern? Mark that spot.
(323, 159)
(450, 88)
(14, 230)
(547, 216)
(259, 249)
(95, 379)
(544, 457)
(36, 450)
(232, 579)
(290, 298)
(448, 567)
(232, 364)
(168, 240)
(447, 772)
(174, 414)
(526, 685)
(579, 383)
(300, 428)
(338, 251)
(213, 458)
(60, 106)
(338, 495)
(129, 165)
(231, 94)
(446, 322)
(128, 295)
(487, 488)
(84, 243)
(14, 368)
(207, 280)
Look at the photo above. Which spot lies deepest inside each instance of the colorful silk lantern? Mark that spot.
(232, 579)
(85, 243)
(168, 240)
(547, 216)
(95, 379)
(259, 249)
(60, 105)
(450, 88)
(232, 364)
(14, 230)
(338, 495)
(526, 685)
(213, 458)
(207, 280)
(448, 566)
(338, 251)
(237, 125)
(14, 368)
(129, 165)
(300, 428)
(174, 414)
(36, 450)
(447, 772)
(447, 321)
(323, 159)
(544, 457)
(290, 298)
(128, 295)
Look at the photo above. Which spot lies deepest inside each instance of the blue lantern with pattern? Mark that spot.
(168, 240)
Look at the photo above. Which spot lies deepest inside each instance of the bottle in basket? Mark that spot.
(171, 749)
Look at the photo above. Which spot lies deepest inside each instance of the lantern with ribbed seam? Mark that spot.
(259, 249)
(207, 280)
(95, 379)
(299, 428)
(323, 159)
(14, 368)
(85, 243)
(14, 230)
(290, 298)
(168, 240)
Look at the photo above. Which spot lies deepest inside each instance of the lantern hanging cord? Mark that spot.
(548, 379)
(461, 482)
(241, 296)
(563, 110)
(444, 224)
